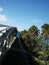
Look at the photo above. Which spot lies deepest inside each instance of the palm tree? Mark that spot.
(23, 32)
(34, 30)
(45, 30)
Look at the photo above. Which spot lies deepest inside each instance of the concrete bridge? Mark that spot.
(7, 39)
(13, 51)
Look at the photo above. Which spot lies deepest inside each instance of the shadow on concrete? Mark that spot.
(16, 57)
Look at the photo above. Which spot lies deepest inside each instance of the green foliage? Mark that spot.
(47, 62)
(47, 52)
(45, 30)
(33, 29)
(33, 34)
(23, 32)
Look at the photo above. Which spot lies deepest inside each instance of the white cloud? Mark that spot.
(3, 17)
(1, 9)
(36, 20)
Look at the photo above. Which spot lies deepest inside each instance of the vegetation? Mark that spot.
(36, 42)
(38, 47)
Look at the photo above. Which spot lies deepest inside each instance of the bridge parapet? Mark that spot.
(7, 38)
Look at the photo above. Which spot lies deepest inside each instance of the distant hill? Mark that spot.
(1, 25)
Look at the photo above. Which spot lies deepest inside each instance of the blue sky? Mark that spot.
(24, 13)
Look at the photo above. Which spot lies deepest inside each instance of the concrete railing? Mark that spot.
(6, 38)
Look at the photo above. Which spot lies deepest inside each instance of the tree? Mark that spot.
(45, 30)
(23, 32)
(33, 29)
